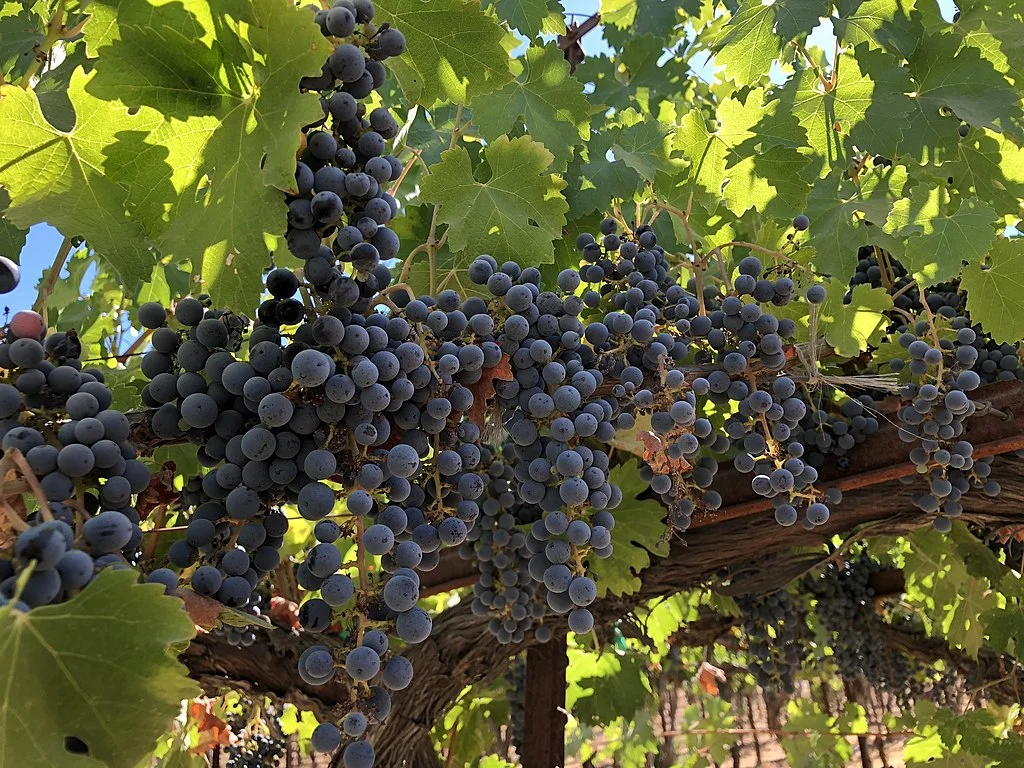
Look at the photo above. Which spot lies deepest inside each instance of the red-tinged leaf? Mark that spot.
(212, 730)
(284, 611)
(483, 390)
(708, 677)
(159, 491)
(204, 611)
(657, 457)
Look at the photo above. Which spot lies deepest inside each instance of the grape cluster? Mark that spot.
(58, 415)
(845, 606)
(342, 174)
(255, 744)
(738, 347)
(505, 589)
(935, 406)
(775, 631)
(943, 299)
(832, 429)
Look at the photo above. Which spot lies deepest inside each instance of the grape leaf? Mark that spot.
(890, 24)
(837, 213)
(1005, 624)
(594, 179)
(639, 532)
(22, 27)
(645, 145)
(454, 49)
(12, 238)
(531, 16)
(232, 136)
(965, 627)
(961, 81)
(59, 177)
(949, 597)
(939, 242)
(995, 291)
(990, 166)
(851, 328)
(754, 36)
(635, 18)
(993, 27)
(518, 209)
(98, 667)
(729, 164)
(547, 98)
(612, 686)
(867, 107)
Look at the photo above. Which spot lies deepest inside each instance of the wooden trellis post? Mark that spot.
(544, 734)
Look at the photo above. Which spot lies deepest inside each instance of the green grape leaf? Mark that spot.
(890, 24)
(957, 77)
(235, 134)
(729, 165)
(640, 532)
(754, 36)
(614, 685)
(547, 98)
(963, 82)
(99, 667)
(989, 166)
(530, 17)
(938, 242)
(838, 210)
(645, 145)
(1005, 624)
(995, 291)
(594, 179)
(22, 27)
(454, 51)
(867, 107)
(12, 238)
(518, 209)
(851, 328)
(58, 177)
(993, 27)
(965, 627)
(946, 592)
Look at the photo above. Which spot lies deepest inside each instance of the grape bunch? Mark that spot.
(737, 346)
(256, 741)
(933, 415)
(58, 415)
(506, 588)
(342, 174)
(845, 605)
(775, 631)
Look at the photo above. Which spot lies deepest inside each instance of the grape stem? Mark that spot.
(136, 345)
(160, 515)
(360, 574)
(52, 276)
(14, 456)
(55, 31)
(828, 85)
(432, 245)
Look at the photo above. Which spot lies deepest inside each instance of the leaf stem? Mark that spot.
(51, 279)
(54, 31)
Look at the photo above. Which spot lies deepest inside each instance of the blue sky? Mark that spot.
(43, 240)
